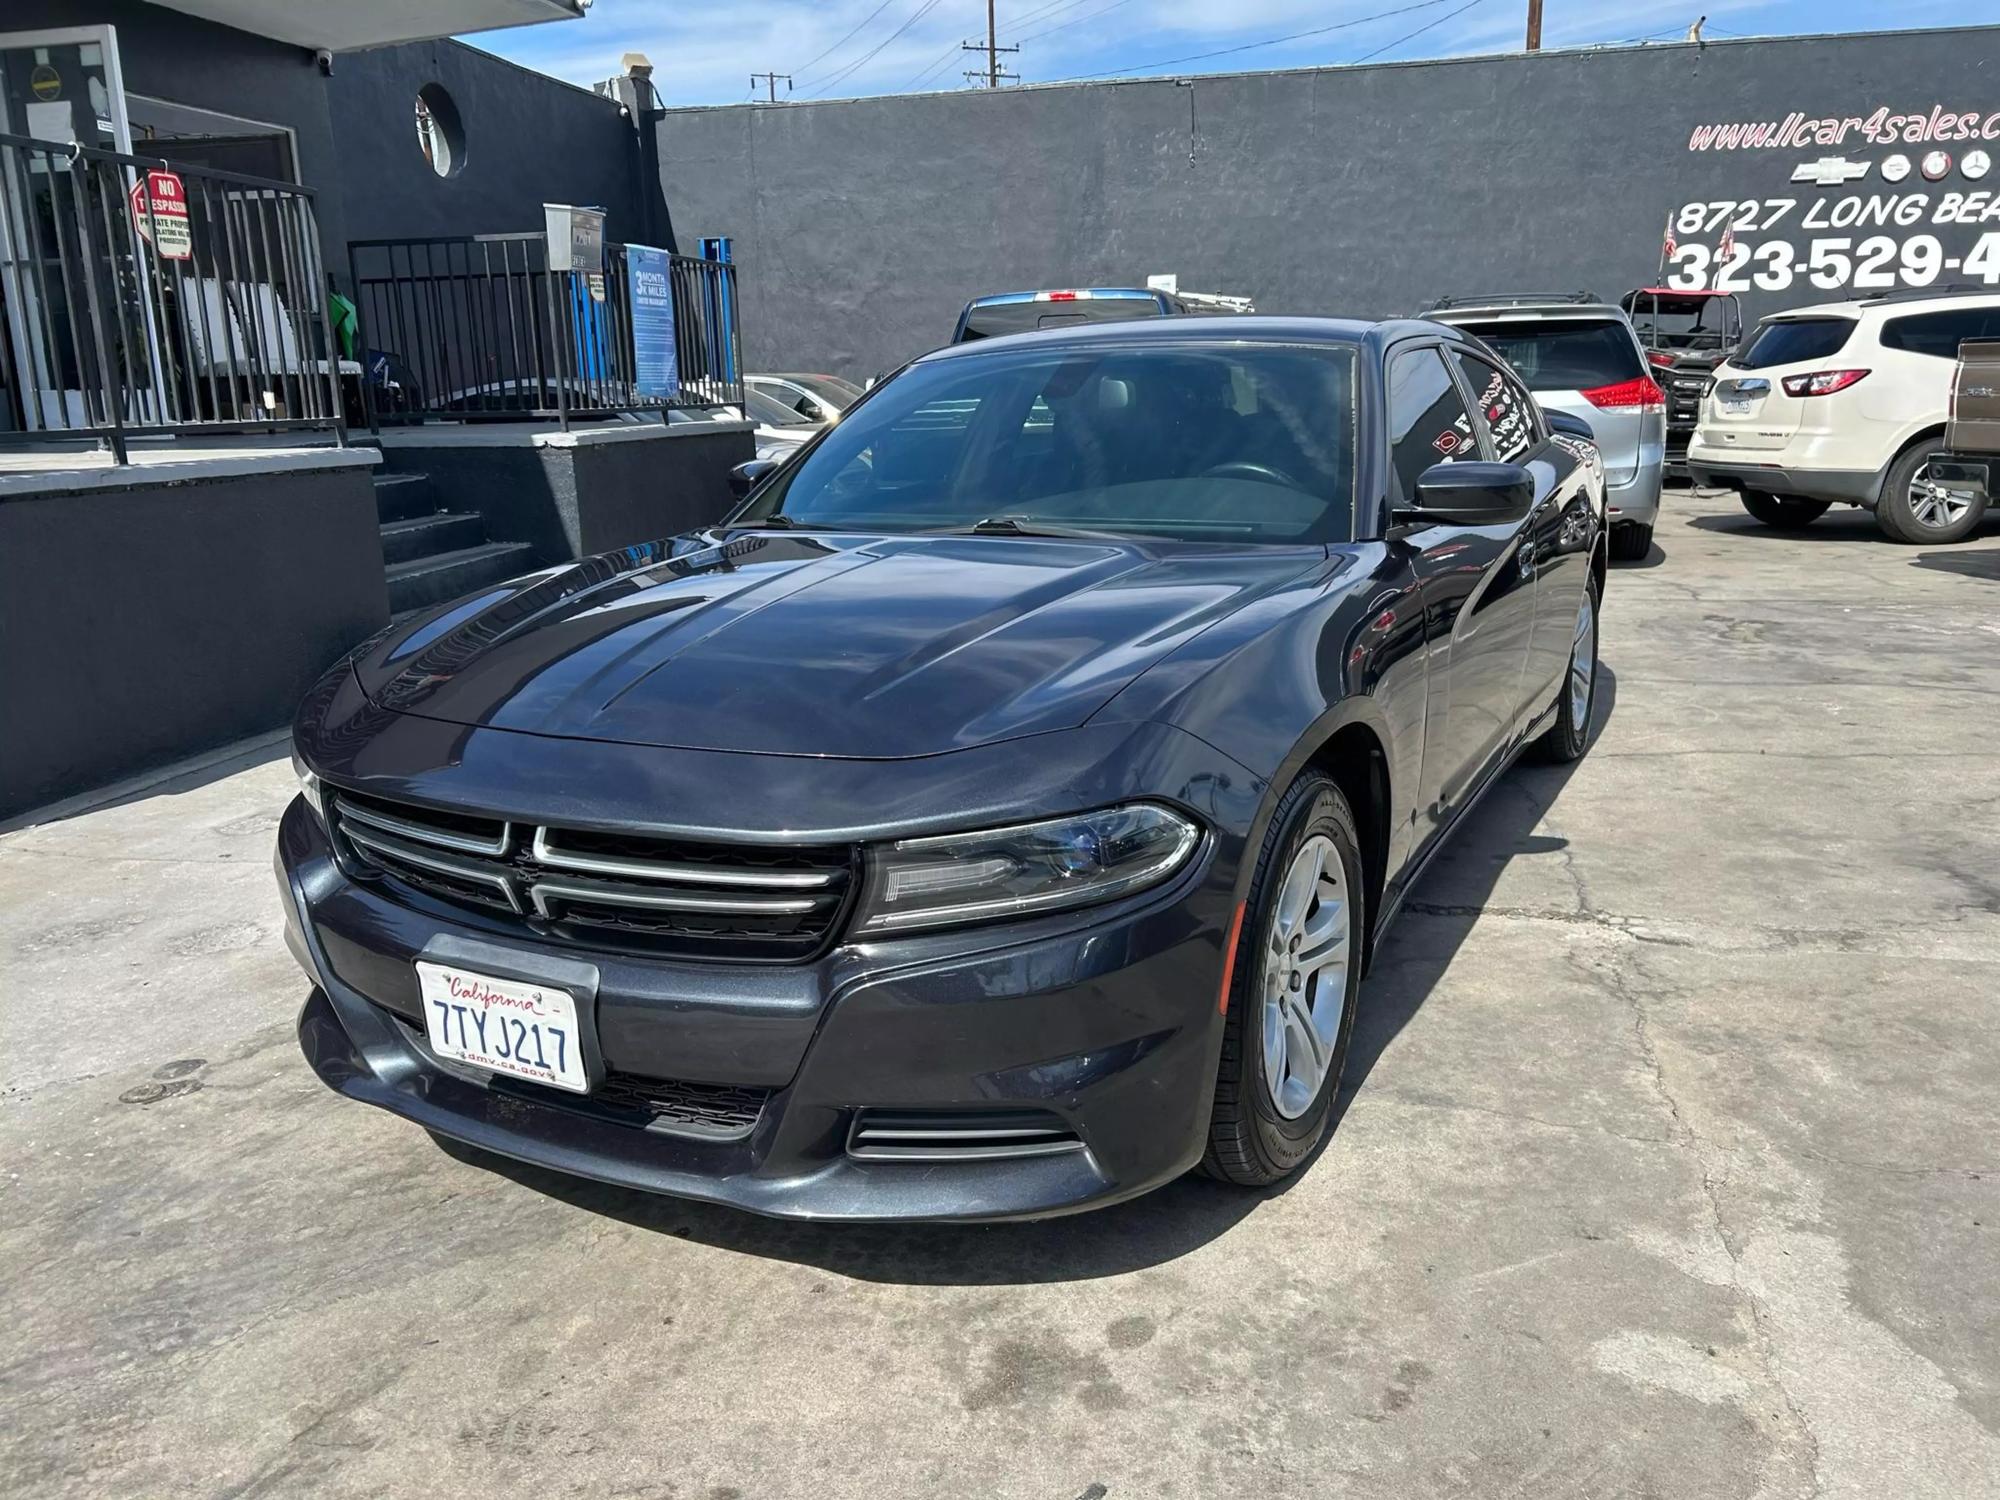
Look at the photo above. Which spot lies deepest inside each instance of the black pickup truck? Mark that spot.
(1960, 479)
(1686, 335)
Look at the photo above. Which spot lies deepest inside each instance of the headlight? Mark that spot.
(309, 785)
(1025, 870)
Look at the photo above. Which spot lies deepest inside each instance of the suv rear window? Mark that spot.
(1793, 341)
(1565, 354)
(999, 318)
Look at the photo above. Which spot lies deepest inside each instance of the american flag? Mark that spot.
(1668, 247)
(1726, 246)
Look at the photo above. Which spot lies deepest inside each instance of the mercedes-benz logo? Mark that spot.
(1976, 165)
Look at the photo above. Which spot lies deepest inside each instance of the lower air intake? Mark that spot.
(930, 1135)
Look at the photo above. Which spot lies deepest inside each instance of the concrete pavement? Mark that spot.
(1669, 1166)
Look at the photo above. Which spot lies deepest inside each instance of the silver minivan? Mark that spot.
(1580, 355)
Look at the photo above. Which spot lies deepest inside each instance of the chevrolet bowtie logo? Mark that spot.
(1829, 171)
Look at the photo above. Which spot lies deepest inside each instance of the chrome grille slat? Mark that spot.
(594, 886)
(943, 1136)
(640, 869)
(545, 893)
(396, 849)
(444, 838)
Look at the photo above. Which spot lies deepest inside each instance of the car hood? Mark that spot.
(792, 644)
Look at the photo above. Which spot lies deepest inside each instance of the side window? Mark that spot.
(1507, 410)
(1428, 424)
(1939, 334)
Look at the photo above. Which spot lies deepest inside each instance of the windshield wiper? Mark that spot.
(1030, 526)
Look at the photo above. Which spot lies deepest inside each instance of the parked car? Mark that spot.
(1959, 479)
(1685, 336)
(1845, 403)
(779, 428)
(1580, 355)
(994, 816)
(817, 398)
(1023, 312)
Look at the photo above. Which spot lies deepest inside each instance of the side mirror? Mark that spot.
(746, 476)
(1569, 424)
(1470, 494)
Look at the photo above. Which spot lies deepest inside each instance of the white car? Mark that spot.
(1845, 404)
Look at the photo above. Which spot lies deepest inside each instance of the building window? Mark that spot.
(439, 132)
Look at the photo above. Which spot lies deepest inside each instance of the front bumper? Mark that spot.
(1108, 1022)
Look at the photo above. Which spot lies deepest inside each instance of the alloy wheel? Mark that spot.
(1305, 976)
(1934, 506)
(1583, 663)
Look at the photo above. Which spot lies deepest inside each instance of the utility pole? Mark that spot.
(1534, 25)
(992, 48)
(771, 83)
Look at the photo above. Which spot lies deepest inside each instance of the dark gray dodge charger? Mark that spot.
(994, 816)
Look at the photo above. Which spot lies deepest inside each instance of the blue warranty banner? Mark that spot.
(656, 366)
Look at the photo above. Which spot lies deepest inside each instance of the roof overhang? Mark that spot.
(348, 25)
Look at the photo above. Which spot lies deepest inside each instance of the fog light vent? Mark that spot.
(936, 1135)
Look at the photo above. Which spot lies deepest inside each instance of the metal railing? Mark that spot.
(145, 297)
(477, 328)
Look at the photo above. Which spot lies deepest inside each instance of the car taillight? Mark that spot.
(1821, 382)
(1062, 296)
(1643, 394)
(1659, 360)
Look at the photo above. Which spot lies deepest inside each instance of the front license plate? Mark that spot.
(507, 1025)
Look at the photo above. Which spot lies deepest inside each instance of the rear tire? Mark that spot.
(1631, 542)
(1260, 1131)
(1576, 699)
(1913, 511)
(1785, 515)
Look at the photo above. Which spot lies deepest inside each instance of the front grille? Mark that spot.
(937, 1135)
(657, 894)
(716, 1111)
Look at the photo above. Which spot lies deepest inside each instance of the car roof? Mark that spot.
(1221, 329)
(1904, 300)
(1526, 312)
(1071, 294)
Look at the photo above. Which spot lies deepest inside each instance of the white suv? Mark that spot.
(1845, 403)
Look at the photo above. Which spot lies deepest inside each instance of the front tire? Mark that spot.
(1784, 515)
(1631, 542)
(1915, 511)
(1576, 700)
(1292, 995)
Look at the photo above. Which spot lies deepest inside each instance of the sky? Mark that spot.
(704, 53)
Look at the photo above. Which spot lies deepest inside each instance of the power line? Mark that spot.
(936, 67)
(807, 69)
(1391, 46)
(841, 75)
(1077, 21)
(1044, 10)
(1168, 62)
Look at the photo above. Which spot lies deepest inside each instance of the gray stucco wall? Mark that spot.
(864, 226)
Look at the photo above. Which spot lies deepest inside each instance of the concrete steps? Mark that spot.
(432, 555)
(424, 581)
(427, 536)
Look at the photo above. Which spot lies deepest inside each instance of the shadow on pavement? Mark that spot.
(1841, 524)
(1162, 1225)
(1968, 564)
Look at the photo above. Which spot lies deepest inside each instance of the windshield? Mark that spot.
(1792, 342)
(987, 320)
(1210, 441)
(835, 392)
(1569, 354)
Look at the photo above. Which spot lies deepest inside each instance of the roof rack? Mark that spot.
(1926, 293)
(1513, 299)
